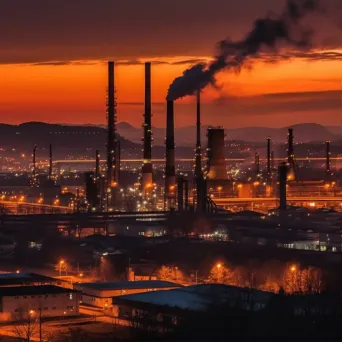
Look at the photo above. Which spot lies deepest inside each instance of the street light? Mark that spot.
(219, 265)
(60, 266)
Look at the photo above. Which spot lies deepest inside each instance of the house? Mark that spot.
(18, 302)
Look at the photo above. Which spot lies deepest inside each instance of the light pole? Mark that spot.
(60, 267)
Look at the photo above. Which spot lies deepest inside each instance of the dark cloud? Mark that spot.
(45, 30)
(281, 102)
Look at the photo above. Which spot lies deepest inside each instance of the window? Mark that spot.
(16, 310)
(33, 296)
(53, 308)
(25, 297)
(53, 295)
(46, 296)
(46, 308)
(70, 295)
(16, 297)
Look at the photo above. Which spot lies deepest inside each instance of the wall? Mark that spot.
(65, 304)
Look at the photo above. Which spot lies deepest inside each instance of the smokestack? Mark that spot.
(147, 163)
(272, 160)
(327, 162)
(198, 157)
(290, 150)
(292, 171)
(282, 172)
(111, 137)
(257, 164)
(34, 175)
(268, 167)
(97, 165)
(170, 170)
(50, 163)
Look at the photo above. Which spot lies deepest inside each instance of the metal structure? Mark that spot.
(257, 165)
(146, 176)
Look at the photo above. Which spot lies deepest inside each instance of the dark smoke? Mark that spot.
(267, 32)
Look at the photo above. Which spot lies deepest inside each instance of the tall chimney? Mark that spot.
(147, 162)
(111, 136)
(272, 160)
(268, 168)
(198, 156)
(282, 171)
(34, 175)
(170, 169)
(50, 162)
(257, 164)
(97, 165)
(327, 160)
(292, 168)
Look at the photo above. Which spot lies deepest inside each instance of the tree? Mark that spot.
(220, 274)
(26, 325)
(170, 273)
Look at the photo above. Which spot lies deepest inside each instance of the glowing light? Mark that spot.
(293, 268)
(219, 265)
(312, 204)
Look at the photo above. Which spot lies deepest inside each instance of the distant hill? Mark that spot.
(186, 135)
(61, 136)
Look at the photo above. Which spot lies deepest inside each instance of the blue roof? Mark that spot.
(125, 285)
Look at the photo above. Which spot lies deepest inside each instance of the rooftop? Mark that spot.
(127, 285)
(196, 297)
(33, 290)
(7, 279)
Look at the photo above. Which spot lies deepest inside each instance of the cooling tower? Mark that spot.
(216, 169)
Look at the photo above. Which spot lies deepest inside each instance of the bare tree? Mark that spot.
(26, 325)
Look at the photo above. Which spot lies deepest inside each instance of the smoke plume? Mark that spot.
(267, 32)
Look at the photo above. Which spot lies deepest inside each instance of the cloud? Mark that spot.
(64, 30)
(276, 103)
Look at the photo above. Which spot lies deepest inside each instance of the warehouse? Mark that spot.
(101, 294)
(19, 302)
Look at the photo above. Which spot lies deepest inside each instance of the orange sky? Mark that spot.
(75, 93)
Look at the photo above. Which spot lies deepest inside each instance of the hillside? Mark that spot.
(186, 135)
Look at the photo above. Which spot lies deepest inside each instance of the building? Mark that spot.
(169, 307)
(17, 302)
(26, 279)
(101, 294)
